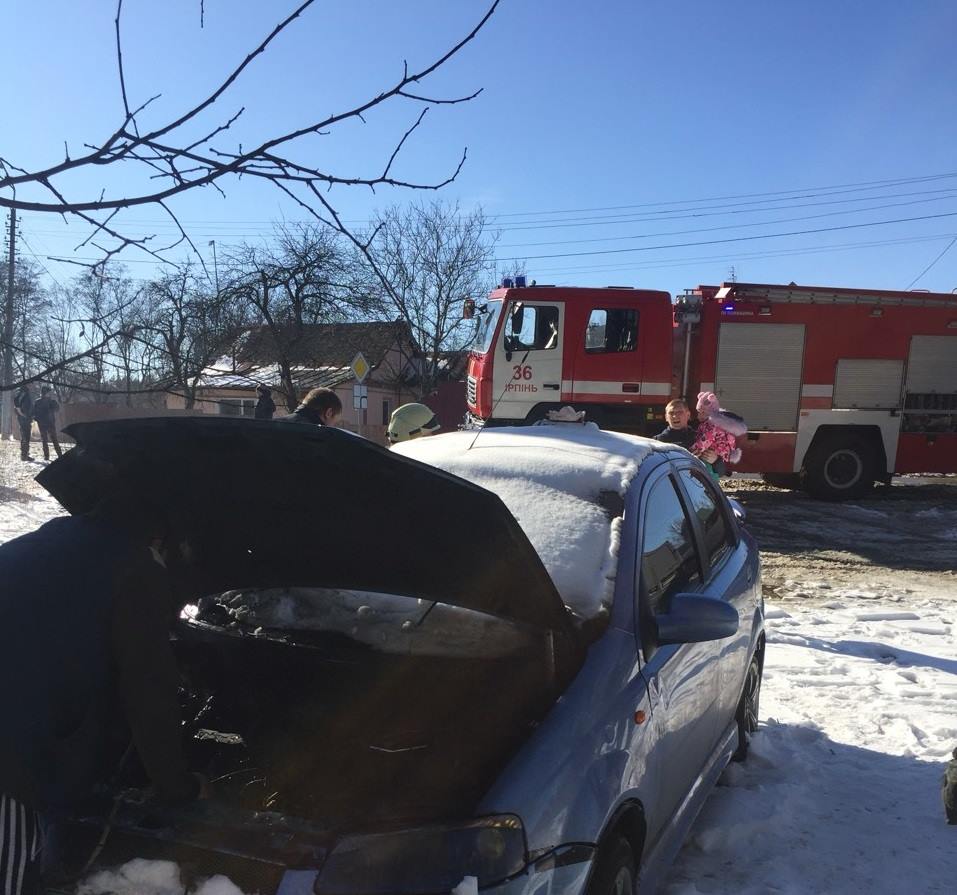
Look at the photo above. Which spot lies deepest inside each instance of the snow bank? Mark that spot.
(552, 479)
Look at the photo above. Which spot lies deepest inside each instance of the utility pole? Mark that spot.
(6, 423)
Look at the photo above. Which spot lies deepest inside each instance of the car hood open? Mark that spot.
(266, 504)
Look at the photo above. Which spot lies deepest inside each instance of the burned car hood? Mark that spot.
(266, 504)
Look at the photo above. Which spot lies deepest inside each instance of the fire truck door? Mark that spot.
(528, 359)
(758, 373)
(608, 357)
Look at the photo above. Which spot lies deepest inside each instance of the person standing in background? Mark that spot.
(44, 412)
(265, 406)
(23, 405)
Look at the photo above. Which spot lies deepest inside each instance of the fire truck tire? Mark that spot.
(840, 468)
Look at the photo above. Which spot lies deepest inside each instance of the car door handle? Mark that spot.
(554, 386)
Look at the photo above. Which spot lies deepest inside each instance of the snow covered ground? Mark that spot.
(841, 793)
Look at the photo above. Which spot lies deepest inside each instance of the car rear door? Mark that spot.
(681, 678)
(729, 575)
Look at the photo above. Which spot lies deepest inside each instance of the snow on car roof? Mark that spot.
(552, 478)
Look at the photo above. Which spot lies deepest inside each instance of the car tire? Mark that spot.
(615, 870)
(748, 708)
(840, 469)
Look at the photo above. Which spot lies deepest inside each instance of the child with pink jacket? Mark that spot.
(718, 431)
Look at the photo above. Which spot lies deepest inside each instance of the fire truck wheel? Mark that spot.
(840, 469)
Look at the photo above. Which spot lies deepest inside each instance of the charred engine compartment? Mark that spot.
(360, 716)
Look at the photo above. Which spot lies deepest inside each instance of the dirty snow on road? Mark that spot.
(841, 793)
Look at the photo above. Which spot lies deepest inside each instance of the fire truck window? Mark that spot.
(533, 328)
(669, 562)
(717, 532)
(611, 330)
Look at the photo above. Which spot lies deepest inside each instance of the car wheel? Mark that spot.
(748, 707)
(615, 871)
(840, 469)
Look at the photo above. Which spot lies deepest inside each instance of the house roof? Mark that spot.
(321, 355)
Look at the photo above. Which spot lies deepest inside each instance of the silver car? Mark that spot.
(513, 661)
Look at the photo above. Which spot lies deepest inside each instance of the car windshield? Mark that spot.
(486, 326)
(389, 623)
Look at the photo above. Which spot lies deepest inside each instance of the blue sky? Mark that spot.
(603, 129)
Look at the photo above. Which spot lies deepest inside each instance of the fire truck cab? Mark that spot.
(605, 350)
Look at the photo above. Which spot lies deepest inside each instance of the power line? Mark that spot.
(725, 257)
(736, 226)
(950, 194)
(681, 245)
(949, 246)
(852, 187)
(808, 192)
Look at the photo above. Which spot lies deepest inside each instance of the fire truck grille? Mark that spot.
(471, 390)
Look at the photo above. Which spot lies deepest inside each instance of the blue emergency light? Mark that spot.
(520, 281)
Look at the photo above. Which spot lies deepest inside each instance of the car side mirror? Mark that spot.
(739, 511)
(694, 618)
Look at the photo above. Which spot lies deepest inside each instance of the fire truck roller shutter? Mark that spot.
(932, 365)
(868, 384)
(758, 373)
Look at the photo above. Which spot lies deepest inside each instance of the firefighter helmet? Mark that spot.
(411, 421)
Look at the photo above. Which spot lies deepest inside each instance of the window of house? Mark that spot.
(611, 330)
(532, 328)
(669, 561)
(386, 411)
(718, 541)
(237, 407)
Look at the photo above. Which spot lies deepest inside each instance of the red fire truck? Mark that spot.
(839, 387)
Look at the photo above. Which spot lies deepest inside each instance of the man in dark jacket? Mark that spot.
(44, 412)
(265, 406)
(679, 430)
(320, 407)
(23, 405)
(87, 606)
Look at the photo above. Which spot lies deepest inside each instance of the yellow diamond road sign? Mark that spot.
(360, 367)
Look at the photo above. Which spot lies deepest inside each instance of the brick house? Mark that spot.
(320, 355)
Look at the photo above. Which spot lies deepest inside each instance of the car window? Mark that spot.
(669, 560)
(611, 330)
(532, 328)
(718, 541)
